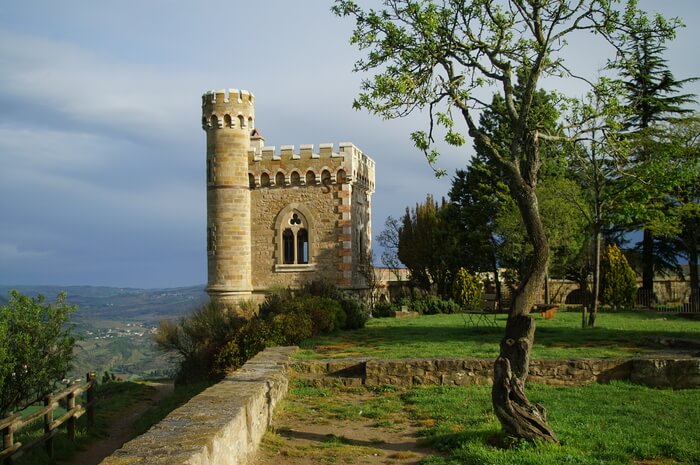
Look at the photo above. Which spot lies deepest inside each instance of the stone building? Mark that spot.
(280, 218)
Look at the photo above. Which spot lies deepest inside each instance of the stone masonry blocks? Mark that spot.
(221, 426)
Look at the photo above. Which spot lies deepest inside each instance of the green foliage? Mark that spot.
(36, 348)
(619, 282)
(384, 310)
(427, 245)
(356, 313)
(468, 290)
(430, 305)
(214, 340)
(326, 314)
(197, 339)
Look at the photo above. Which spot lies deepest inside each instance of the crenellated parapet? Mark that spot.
(269, 167)
(228, 108)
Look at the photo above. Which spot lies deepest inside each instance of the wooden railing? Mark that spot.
(12, 450)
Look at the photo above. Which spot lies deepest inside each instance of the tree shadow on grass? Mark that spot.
(421, 336)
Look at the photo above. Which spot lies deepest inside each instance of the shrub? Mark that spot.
(275, 302)
(467, 290)
(618, 280)
(292, 328)
(36, 348)
(198, 339)
(432, 305)
(326, 314)
(384, 310)
(356, 313)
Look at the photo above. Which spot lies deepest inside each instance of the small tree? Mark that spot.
(467, 290)
(618, 279)
(36, 348)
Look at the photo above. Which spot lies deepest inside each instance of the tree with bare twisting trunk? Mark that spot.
(434, 56)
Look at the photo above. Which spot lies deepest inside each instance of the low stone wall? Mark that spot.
(663, 372)
(221, 426)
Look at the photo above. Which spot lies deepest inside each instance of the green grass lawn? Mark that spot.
(618, 423)
(618, 334)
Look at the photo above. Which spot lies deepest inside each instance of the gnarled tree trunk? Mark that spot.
(518, 416)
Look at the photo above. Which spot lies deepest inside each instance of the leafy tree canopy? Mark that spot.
(36, 348)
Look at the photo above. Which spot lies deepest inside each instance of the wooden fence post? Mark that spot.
(48, 419)
(92, 379)
(70, 423)
(8, 441)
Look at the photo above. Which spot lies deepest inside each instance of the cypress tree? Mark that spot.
(654, 97)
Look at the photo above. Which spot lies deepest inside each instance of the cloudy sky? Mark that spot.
(102, 152)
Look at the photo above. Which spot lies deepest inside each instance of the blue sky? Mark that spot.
(101, 150)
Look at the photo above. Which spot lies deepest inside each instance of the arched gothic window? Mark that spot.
(294, 236)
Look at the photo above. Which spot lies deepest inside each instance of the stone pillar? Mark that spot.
(228, 119)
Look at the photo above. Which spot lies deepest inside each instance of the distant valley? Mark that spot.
(115, 325)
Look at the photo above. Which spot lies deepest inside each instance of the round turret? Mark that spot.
(228, 118)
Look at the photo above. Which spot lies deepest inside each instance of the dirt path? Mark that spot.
(298, 437)
(122, 429)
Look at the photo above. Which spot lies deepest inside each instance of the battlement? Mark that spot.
(348, 164)
(228, 96)
(228, 108)
(306, 152)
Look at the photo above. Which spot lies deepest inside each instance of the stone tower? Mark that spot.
(228, 119)
(280, 219)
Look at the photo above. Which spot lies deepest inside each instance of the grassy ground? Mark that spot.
(113, 398)
(619, 424)
(616, 335)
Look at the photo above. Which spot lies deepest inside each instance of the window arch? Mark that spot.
(265, 180)
(340, 177)
(294, 238)
(251, 181)
(325, 177)
(310, 178)
(241, 121)
(302, 246)
(279, 179)
(227, 121)
(214, 121)
(295, 179)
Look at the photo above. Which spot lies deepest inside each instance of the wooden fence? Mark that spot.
(12, 450)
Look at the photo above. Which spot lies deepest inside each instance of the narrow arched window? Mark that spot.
(227, 121)
(295, 179)
(251, 181)
(241, 121)
(325, 177)
(279, 179)
(310, 178)
(210, 171)
(288, 246)
(302, 246)
(251, 124)
(214, 121)
(265, 180)
(340, 177)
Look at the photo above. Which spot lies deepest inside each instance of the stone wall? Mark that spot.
(321, 204)
(662, 372)
(221, 426)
